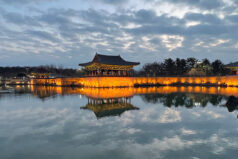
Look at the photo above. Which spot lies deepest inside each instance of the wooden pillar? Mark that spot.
(124, 72)
(100, 72)
(106, 72)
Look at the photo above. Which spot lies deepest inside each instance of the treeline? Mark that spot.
(19, 71)
(169, 67)
(183, 67)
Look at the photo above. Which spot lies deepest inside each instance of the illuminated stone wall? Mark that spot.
(131, 81)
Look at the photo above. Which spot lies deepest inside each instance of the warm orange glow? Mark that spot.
(131, 91)
(131, 81)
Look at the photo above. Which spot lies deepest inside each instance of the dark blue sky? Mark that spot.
(68, 32)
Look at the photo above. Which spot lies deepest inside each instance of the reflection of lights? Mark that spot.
(131, 91)
(197, 104)
(80, 96)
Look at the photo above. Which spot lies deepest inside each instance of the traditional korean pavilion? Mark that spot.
(233, 67)
(107, 65)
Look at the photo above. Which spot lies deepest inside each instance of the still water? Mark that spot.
(119, 123)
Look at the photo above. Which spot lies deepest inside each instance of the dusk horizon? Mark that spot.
(44, 32)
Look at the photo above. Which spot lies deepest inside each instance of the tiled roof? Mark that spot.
(234, 64)
(110, 60)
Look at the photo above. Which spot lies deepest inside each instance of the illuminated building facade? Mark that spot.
(105, 65)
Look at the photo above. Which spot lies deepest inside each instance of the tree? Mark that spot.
(181, 67)
(153, 69)
(218, 67)
(169, 66)
(190, 62)
(206, 62)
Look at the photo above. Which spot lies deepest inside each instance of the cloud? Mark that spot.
(172, 42)
(23, 2)
(114, 1)
(188, 132)
(133, 33)
(19, 19)
(170, 116)
(204, 4)
(203, 18)
(233, 18)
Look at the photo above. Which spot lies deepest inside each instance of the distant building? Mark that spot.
(43, 75)
(233, 67)
(200, 69)
(105, 65)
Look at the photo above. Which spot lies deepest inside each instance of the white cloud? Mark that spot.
(172, 41)
(187, 131)
(192, 23)
(212, 114)
(218, 42)
(213, 43)
(170, 116)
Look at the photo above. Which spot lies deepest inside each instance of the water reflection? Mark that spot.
(110, 106)
(47, 122)
(129, 92)
(114, 101)
(183, 99)
(232, 104)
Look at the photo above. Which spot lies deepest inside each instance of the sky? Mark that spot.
(69, 32)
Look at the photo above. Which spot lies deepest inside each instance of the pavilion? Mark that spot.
(107, 65)
(233, 67)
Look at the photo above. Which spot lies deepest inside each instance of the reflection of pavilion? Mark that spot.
(110, 106)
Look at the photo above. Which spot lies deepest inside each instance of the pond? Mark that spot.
(118, 123)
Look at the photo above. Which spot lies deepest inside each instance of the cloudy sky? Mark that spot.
(68, 32)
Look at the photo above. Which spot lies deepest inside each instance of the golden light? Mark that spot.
(131, 81)
(110, 93)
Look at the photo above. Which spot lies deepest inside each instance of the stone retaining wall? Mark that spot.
(138, 81)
